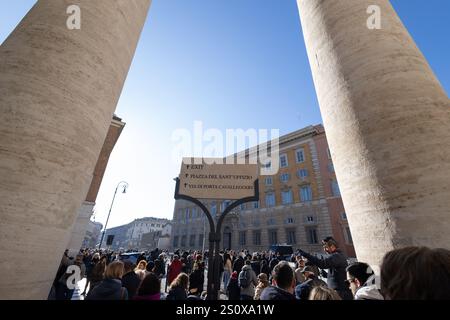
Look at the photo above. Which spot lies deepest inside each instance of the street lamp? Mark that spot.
(124, 190)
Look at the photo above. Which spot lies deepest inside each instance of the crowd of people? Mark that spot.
(406, 273)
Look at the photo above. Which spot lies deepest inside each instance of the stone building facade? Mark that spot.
(299, 205)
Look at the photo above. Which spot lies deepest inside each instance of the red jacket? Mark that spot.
(174, 271)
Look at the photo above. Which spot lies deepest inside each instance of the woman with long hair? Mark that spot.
(178, 287)
(150, 288)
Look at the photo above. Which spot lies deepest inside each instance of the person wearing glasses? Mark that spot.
(361, 281)
(336, 263)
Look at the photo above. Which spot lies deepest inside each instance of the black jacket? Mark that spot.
(233, 289)
(197, 280)
(108, 289)
(238, 264)
(131, 281)
(336, 264)
(177, 293)
(303, 290)
(275, 293)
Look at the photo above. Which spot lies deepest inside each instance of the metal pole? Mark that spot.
(109, 213)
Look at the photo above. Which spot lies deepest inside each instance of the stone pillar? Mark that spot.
(58, 92)
(387, 122)
(80, 227)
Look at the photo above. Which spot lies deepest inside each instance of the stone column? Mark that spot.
(58, 92)
(387, 122)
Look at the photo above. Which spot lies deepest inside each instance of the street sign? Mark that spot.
(200, 179)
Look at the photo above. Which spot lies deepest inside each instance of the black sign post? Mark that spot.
(109, 240)
(214, 236)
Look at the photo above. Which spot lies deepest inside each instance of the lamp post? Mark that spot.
(125, 186)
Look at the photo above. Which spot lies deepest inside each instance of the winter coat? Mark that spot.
(234, 292)
(174, 270)
(108, 289)
(250, 290)
(131, 281)
(177, 293)
(275, 293)
(303, 290)
(369, 291)
(196, 281)
(259, 289)
(238, 264)
(336, 263)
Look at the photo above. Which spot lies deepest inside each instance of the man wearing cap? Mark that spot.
(336, 262)
(302, 290)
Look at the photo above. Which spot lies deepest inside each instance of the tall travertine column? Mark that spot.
(58, 91)
(387, 120)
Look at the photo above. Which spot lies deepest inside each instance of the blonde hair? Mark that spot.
(142, 262)
(182, 280)
(114, 270)
(323, 293)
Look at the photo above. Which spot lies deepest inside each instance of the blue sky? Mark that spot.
(229, 64)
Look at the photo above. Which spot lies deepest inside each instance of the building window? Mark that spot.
(273, 237)
(344, 216)
(311, 234)
(270, 200)
(349, 238)
(284, 177)
(290, 236)
(175, 242)
(302, 173)
(200, 240)
(290, 220)
(180, 214)
(306, 193)
(183, 241)
(286, 197)
(335, 189)
(257, 237)
(194, 213)
(213, 208)
(300, 155)
(268, 181)
(256, 204)
(243, 206)
(283, 161)
(152, 224)
(242, 239)
(192, 240)
(310, 219)
(271, 222)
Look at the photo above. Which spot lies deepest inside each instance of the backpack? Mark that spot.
(244, 278)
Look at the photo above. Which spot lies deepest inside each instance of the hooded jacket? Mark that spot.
(369, 291)
(250, 290)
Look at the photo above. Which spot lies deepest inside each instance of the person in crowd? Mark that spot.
(416, 273)
(256, 264)
(89, 269)
(361, 281)
(149, 289)
(178, 287)
(274, 261)
(247, 281)
(160, 267)
(98, 272)
(130, 280)
(283, 283)
(300, 264)
(174, 269)
(227, 269)
(197, 279)
(303, 289)
(238, 264)
(336, 262)
(111, 287)
(263, 282)
(233, 289)
(141, 269)
(323, 293)
(265, 268)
